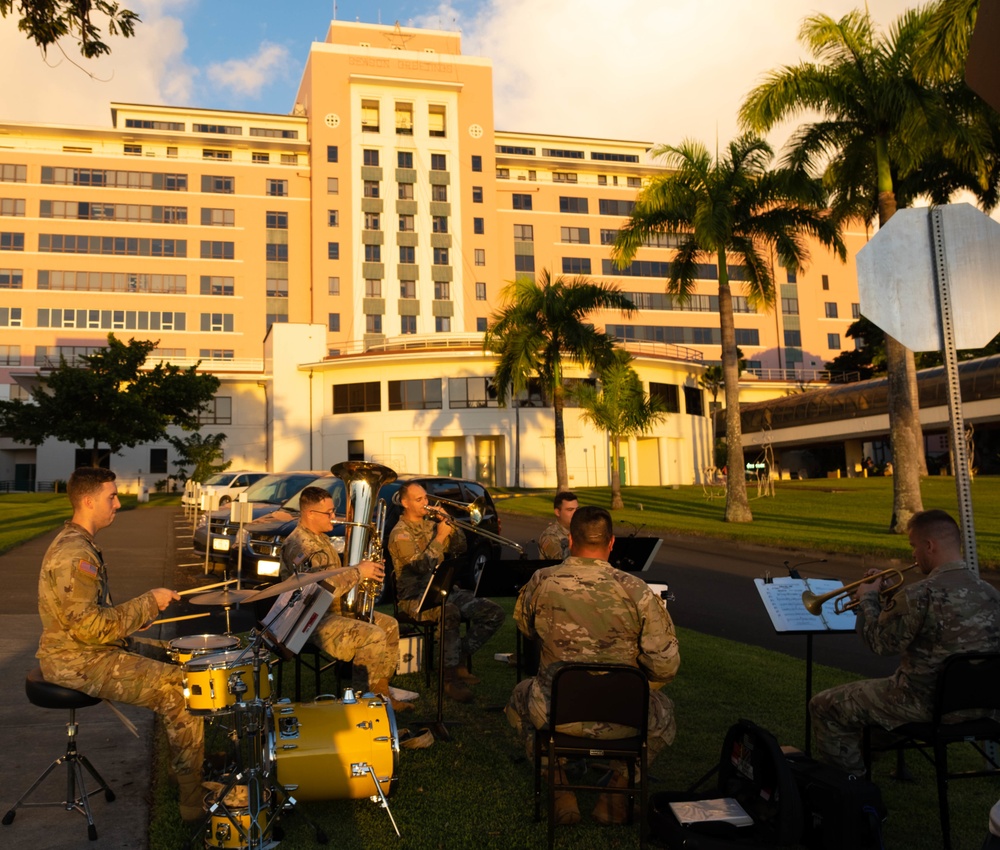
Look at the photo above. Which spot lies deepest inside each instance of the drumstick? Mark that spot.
(178, 619)
(206, 587)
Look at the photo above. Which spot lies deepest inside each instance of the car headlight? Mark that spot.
(269, 568)
(202, 521)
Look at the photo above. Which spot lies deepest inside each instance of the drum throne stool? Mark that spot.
(48, 695)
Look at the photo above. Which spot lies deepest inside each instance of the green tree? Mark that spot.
(732, 207)
(883, 137)
(113, 399)
(47, 21)
(542, 323)
(203, 453)
(621, 408)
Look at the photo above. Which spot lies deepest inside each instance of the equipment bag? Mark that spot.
(841, 811)
(752, 771)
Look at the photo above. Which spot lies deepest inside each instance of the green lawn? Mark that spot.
(476, 792)
(830, 515)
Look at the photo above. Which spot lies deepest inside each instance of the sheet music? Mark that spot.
(782, 597)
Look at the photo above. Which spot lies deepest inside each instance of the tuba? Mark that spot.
(364, 528)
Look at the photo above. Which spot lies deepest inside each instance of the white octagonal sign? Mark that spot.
(897, 285)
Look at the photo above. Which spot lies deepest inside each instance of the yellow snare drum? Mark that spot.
(322, 750)
(183, 649)
(215, 683)
(232, 825)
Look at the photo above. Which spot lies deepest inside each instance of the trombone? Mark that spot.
(476, 512)
(893, 581)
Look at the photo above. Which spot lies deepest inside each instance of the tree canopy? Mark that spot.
(111, 400)
(203, 453)
(47, 21)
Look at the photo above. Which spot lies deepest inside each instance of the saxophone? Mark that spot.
(365, 526)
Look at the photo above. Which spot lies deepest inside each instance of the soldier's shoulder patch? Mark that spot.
(87, 568)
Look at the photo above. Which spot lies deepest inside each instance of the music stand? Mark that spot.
(634, 554)
(435, 595)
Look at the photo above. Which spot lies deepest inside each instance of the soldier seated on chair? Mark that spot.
(372, 647)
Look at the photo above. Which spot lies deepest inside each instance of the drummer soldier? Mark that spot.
(372, 647)
(87, 641)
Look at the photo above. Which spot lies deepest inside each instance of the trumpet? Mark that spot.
(893, 581)
(476, 512)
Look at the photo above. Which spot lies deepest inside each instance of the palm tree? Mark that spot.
(883, 137)
(737, 207)
(622, 409)
(539, 325)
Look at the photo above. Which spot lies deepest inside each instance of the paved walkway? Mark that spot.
(141, 549)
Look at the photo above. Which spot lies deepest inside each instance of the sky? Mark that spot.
(657, 71)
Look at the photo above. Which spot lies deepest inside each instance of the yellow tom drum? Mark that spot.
(183, 649)
(215, 683)
(231, 825)
(323, 750)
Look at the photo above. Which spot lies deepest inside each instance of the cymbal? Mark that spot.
(297, 581)
(227, 597)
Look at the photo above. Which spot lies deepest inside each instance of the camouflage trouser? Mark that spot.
(130, 678)
(484, 616)
(840, 715)
(372, 647)
(527, 711)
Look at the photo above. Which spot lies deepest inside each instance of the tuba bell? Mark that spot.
(364, 528)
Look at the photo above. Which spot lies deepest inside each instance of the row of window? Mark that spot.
(371, 118)
(599, 156)
(681, 335)
(118, 179)
(221, 129)
(142, 320)
(407, 324)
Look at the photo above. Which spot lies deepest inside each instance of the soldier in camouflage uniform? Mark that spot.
(950, 611)
(86, 643)
(372, 647)
(553, 543)
(417, 546)
(584, 610)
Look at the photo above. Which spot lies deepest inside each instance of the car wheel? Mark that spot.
(225, 500)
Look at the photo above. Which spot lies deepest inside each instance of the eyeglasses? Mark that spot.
(330, 514)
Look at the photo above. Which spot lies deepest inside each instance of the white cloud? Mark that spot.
(246, 77)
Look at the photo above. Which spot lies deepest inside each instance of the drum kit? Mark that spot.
(284, 752)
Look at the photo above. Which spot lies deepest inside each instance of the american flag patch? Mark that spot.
(87, 568)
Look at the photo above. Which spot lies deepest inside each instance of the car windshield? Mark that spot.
(220, 479)
(275, 489)
(333, 485)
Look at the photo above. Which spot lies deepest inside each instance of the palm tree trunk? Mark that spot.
(562, 476)
(905, 434)
(737, 506)
(617, 503)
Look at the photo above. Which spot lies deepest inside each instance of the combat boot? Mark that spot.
(191, 798)
(455, 687)
(381, 687)
(612, 809)
(567, 811)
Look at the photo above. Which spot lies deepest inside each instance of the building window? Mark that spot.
(855, 311)
(333, 285)
(572, 205)
(471, 393)
(333, 218)
(217, 322)
(442, 290)
(404, 159)
(256, 157)
(158, 461)
(373, 253)
(333, 185)
(369, 116)
(13, 173)
(277, 188)
(831, 309)
(524, 262)
(440, 256)
(407, 254)
(439, 162)
(790, 306)
(407, 324)
(12, 279)
(218, 185)
(355, 449)
(668, 394)
(564, 177)
(405, 191)
(477, 194)
(357, 398)
(373, 221)
(276, 287)
(276, 220)
(436, 121)
(404, 122)
(439, 223)
(576, 265)
(479, 226)
(793, 338)
(219, 218)
(373, 288)
(332, 153)
(370, 157)
(633, 182)
(12, 206)
(479, 256)
(217, 285)
(833, 342)
(407, 289)
(439, 192)
(371, 188)
(693, 401)
(212, 250)
(524, 233)
(477, 162)
(576, 235)
(373, 323)
(503, 174)
(406, 223)
(418, 394)
(747, 336)
(275, 253)
(133, 150)
(442, 324)
(826, 281)
(218, 411)
(480, 324)
(480, 291)
(207, 153)
(333, 322)
(333, 250)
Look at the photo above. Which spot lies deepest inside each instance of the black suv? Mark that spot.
(264, 537)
